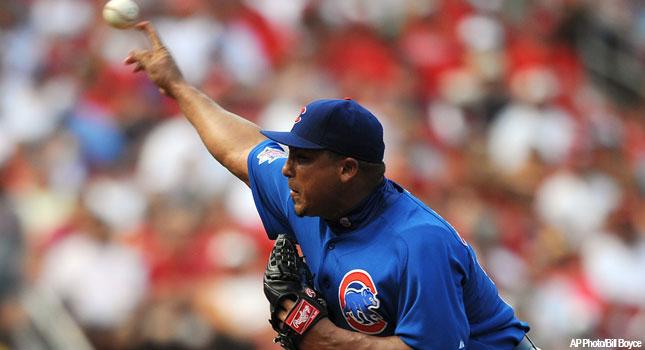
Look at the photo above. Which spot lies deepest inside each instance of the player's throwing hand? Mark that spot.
(157, 62)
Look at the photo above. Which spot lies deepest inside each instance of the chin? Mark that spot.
(301, 211)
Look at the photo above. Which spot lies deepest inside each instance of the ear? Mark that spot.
(348, 169)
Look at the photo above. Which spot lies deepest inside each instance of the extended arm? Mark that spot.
(227, 136)
(326, 336)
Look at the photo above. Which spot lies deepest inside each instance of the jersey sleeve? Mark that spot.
(269, 187)
(488, 311)
(431, 310)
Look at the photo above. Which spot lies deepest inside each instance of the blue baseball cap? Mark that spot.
(341, 126)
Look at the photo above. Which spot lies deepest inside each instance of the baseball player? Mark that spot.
(384, 270)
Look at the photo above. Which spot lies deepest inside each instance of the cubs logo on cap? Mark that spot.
(303, 110)
(357, 295)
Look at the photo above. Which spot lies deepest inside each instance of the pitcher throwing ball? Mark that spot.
(382, 270)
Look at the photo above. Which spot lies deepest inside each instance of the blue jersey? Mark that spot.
(391, 267)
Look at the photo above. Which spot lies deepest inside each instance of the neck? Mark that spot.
(353, 195)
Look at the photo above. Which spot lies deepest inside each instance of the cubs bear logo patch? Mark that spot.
(357, 295)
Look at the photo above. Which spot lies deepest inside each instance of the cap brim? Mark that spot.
(289, 139)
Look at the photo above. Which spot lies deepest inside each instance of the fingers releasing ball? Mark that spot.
(121, 13)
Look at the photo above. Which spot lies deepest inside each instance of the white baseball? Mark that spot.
(121, 13)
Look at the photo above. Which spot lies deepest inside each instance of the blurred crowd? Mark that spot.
(521, 122)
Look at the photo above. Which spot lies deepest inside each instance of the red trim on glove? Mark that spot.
(301, 316)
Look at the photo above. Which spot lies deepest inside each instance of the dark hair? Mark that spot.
(373, 172)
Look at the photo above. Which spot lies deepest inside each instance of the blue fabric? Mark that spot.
(391, 267)
(342, 126)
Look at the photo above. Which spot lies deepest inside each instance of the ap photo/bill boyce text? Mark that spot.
(579, 343)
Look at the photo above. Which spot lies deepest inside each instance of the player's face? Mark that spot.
(314, 182)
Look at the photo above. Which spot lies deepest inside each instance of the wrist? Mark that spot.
(323, 335)
(177, 88)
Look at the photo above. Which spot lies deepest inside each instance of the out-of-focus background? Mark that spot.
(521, 122)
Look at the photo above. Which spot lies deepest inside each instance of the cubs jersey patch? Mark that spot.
(270, 154)
(357, 295)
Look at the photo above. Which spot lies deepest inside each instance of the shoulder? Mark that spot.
(265, 162)
(267, 152)
(416, 225)
(429, 247)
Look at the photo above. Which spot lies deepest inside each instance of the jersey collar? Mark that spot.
(362, 214)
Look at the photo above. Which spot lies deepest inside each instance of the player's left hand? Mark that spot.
(287, 305)
(295, 306)
(316, 335)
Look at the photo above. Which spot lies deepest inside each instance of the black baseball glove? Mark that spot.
(288, 277)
